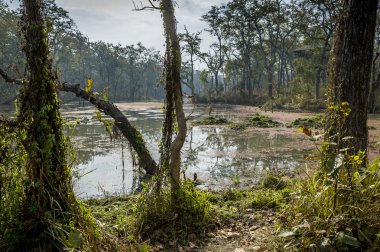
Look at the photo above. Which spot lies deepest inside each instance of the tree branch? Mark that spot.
(151, 7)
(121, 122)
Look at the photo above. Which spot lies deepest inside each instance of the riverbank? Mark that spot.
(242, 220)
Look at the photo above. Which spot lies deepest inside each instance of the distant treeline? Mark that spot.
(124, 73)
(265, 51)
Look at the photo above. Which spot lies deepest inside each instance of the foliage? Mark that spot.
(274, 181)
(210, 120)
(12, 178)
(315, 122)
(155, 211)
(256, 120)
(334, 207)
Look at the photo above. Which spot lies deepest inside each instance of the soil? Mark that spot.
(252, 232)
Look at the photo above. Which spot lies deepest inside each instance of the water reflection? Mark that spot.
(217, 155)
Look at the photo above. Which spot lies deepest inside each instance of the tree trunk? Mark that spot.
(374, 85)
(349, 73)
(133, 136)
(317, 82)
(49, 188)
(121, 122)
(192, 76)
(174, 94)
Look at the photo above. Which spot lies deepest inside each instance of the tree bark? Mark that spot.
(49, 189)
(174, 92)
(130, 133)
(349, 73)
(133, 136)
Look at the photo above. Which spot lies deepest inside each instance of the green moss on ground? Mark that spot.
(117, 216)
(316, 122)
(211, 120)
(257, 121)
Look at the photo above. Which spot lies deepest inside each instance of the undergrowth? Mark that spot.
(310, 222)
(316, 122)
(256, 120)
(335, 205)
(160, 219)
(211, 120)
(15, 234)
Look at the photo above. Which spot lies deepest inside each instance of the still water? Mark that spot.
(218, 155)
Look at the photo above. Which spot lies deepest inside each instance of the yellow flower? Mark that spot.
(358, 160)
(89, 85)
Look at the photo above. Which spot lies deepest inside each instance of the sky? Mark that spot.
(115, 20)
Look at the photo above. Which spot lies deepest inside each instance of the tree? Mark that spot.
(350, 73)
(316, 21)
(191, 46)
(49, 189)
(174, 102)
(216, 20)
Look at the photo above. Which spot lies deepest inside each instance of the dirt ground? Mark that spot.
(253, 232)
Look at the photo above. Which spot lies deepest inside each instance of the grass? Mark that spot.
(257, 121)
(211, 120)
(315, 122)
(323, 217)
(118, 215)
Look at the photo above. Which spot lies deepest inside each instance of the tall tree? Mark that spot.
(49, 188)
(191, 46)
(216, 21)
(316, 21)
(350, 73)
(174, 102)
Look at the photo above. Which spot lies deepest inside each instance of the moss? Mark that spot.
(273, 181)
(211, 120)
(316, 122)
(256, 121)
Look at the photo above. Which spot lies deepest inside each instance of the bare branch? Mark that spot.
(8, 79)
(142, 7)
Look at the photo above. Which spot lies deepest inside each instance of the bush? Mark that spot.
(272, 181)
(256, 120)
(332, 216)
(316, 122)
(211, 120)
(156, 211)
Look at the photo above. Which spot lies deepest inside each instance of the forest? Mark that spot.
(255, 130)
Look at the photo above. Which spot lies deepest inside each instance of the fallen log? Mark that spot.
(133, 136)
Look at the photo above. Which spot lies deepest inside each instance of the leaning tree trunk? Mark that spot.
(133, 136)
(174, 102)
(349, 73)
(48, 189)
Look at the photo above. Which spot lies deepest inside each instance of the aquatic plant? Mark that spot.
(257, 121)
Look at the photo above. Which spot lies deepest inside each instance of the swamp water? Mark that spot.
(220, 156)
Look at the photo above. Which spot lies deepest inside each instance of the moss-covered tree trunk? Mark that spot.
(174, 101)
(49, 185)
(350, 73)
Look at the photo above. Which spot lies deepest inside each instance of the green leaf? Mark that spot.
(343, 240)
(144, 247)
(75, 239)
(324, 245)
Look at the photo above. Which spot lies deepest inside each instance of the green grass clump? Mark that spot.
(257, 121)
(331, 216)
(161, 219)
(211, 120)
(229, 205)
(273, 181)
(316, 122)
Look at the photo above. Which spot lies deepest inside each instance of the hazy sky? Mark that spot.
(115, 21)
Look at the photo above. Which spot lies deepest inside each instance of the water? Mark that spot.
(218, 155)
